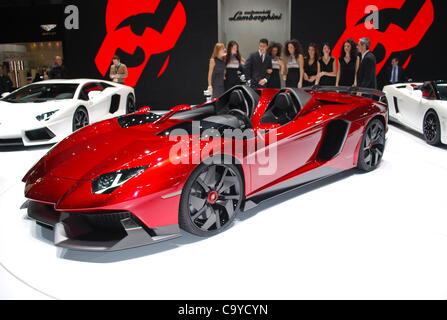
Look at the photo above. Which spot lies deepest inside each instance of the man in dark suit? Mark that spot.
(395, 73)
(58, 70)
(366, 77)
(258, 66)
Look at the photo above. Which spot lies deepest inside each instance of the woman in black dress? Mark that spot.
(311, 65)
(274, 51)
(328, 68)
(349, 65)
(234, 65)
(216, 72)
(293, 64)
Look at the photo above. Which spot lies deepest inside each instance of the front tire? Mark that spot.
(373, 146)
(211, 199)
(80, 119)
(432, 128)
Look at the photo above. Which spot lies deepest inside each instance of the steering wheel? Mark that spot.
(241, 115)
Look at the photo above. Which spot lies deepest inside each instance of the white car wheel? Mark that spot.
(80, 119)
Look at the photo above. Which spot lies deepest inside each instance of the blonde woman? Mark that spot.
(216, 72)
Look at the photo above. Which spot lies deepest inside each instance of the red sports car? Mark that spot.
(138, 179)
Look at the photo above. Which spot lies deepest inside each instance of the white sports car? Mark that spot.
(46, 112)
(421, 107)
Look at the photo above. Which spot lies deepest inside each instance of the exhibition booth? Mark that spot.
(105, 188)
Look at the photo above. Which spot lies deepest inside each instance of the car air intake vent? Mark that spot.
(40, 134)
(328, 101)
(107, 221)
(11, 142)
(137, 119)
(334, 140)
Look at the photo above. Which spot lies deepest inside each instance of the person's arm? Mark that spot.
(306, 77)
(357, 66)
(210, 73)
(125, 74)
(248, 67)
(281, 67)
(317, 77)
(334, 70)
(269, 69)
(284, 68)
(268, 73)
(337, 80)
(301, 64)
(368, 73)
(112, 74)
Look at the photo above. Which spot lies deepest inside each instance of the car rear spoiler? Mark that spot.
(373, 94)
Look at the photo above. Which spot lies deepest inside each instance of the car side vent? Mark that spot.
(333, 140)
(115, 103)
(328, 102)
(396, 104)
(138, 119)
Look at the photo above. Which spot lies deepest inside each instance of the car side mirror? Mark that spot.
(93, 94)
(5, 94)
(145, 109)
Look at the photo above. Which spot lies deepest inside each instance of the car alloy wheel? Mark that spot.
(373, 146)
(212, 198)
(432, 132)
(80, 119)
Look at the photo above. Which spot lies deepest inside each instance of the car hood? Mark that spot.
(14, 111)
(102, 148)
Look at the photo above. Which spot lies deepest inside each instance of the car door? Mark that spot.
(99, 106)
(287, 148)
(416, 111)
(406, 102)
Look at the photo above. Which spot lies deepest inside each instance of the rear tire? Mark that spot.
(432, 128)
(372, 147)
(80, 119)
(211, 199)
(130, 104)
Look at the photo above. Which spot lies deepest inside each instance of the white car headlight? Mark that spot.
(107, 183)
(46, 116)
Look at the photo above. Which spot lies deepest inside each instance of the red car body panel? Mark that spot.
(63, 178)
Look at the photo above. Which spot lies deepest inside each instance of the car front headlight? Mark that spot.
(109, 182)
(46, 116)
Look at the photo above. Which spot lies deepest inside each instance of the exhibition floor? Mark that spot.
(381, 235)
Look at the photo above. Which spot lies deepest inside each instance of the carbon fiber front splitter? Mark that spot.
(108, 231)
